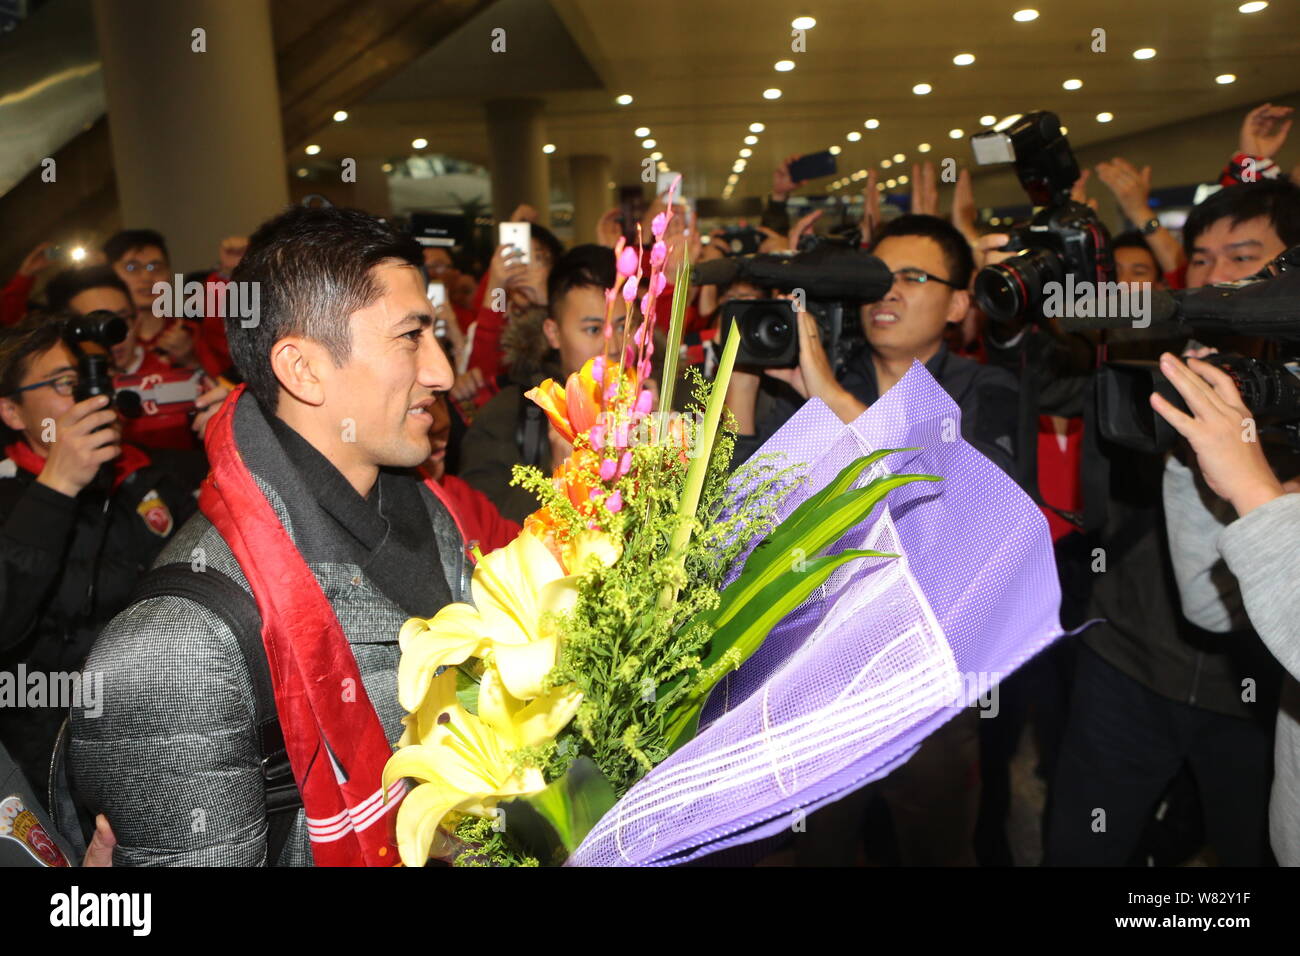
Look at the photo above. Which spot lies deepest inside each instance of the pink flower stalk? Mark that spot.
(624, 464)
(614, 503)
(598, 369)
(658, 282)
(645, 370)
(659, 224)
(608, 469)
(628, 262)
(647, 304)
(629, 289)
(658, 253)
(596, 435)
(644, 401)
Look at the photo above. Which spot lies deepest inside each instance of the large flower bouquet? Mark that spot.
(558, 718)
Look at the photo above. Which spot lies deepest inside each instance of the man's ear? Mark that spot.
(299, 364)
(10, 416)
(958, 307)
(551, 329)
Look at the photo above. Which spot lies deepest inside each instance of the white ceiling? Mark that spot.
(697, 70)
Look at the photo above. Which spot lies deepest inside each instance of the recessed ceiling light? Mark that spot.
(548, 148)
(1024, 16)
(302, 173)
(900, 158)
(964, 59)
(880, 187)
(756, 127)
(803, 23)
(988, 119)
(872, 123)
(1253, 7)
(891, 183)
(1105, 117)
(312, 150)
(387, 167)
(733, 178)
(834, 150)
(1146, 53)
(923, 148)
(853, 137)
(886, 163)
(656, 155)
(340, 115)
(955, 134)
(922, 88)
(663, 167)
(641, 131)
(419, 143)
(772, 94)
(738, 166)
(751, 140)
(1064, 130)
(902, 180)
(1223, 79)
(623, 99)
(783, 66)
(1072, 84)
(746, 153)
(649, 143)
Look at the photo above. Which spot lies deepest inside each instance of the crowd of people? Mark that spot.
(374, 422)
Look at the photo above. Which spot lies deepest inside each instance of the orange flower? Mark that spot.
(574, 408)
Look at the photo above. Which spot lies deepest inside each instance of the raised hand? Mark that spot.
(1264, 130)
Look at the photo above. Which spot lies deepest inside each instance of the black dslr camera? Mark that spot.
(101, 330)
(1063, 237)
(830, 281)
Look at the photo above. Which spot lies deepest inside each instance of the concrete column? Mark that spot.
(520, 171)
(197, 143)
(589, 180)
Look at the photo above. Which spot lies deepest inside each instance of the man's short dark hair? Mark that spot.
(20, 344)
(956, 250)
(1277, 200)
(129, 240)
(1133, 239)
(313, 269)
(70, 283)
(588, 266)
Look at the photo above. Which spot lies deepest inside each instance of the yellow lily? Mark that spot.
(463, 761)
(513, 588)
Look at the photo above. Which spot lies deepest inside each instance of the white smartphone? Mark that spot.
(664, 182)
(437, 293)
(519, 235)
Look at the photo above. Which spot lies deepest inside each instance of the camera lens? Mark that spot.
(1014, 288)
(768, 333)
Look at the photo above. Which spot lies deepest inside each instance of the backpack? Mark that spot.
(236, 607)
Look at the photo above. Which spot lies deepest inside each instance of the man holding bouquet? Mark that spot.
(313, 515)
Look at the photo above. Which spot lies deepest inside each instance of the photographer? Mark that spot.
(1232, 514)
(72, 545)
(1148, 666)
(932, 265)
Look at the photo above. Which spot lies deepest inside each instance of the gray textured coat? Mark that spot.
(173, 759)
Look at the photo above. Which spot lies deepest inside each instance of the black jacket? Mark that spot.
(67, 565)
(987, 398)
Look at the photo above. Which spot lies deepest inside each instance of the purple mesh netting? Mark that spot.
(847, 686)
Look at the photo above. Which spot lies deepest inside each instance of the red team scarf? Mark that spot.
(132, 459)
(334, 739)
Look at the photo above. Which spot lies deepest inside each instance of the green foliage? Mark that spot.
(483, 845)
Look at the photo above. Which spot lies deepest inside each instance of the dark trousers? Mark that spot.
(1124, 743)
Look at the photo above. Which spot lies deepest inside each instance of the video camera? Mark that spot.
(1266, 304)
(101, 330)
(1063, 238)
(828, 281)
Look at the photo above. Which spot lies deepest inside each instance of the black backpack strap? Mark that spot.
(236, 607)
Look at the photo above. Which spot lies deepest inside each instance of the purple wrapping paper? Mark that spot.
(847, 686)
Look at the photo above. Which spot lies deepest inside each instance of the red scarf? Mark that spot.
(335, 741)
(132, 459)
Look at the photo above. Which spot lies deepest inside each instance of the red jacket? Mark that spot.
(478, 517)
(13, 299)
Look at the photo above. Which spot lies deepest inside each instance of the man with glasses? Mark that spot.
(72, 545)
(932, 266)
(139, 257)
(934, 797)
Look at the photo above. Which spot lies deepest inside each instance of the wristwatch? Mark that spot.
(1150, 226)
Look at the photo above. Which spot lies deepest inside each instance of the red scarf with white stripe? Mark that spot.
(334, 738)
